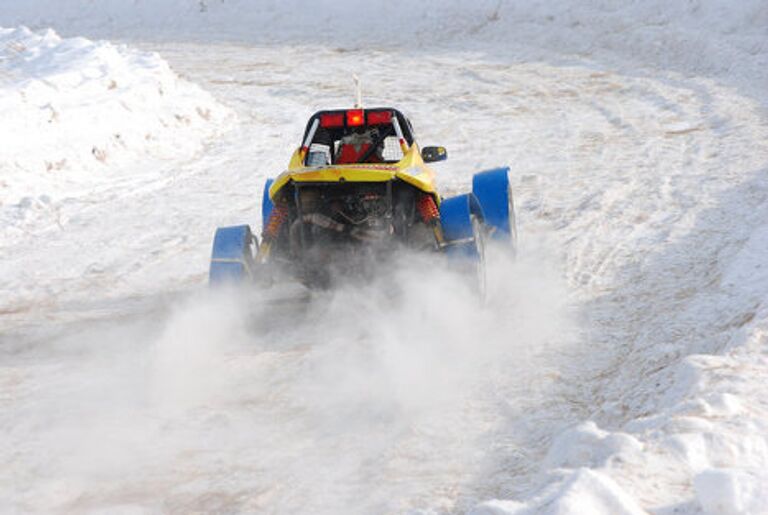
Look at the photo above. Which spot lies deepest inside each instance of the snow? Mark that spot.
(619, 366)
(588, 445)
(76, 110)
(724, 491)
(585, 491)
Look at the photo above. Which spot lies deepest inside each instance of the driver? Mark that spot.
(356, 147)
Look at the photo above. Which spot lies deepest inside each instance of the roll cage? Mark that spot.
(350, 136)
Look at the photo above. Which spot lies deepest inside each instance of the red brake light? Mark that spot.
(379, 117)
(354, 118)
(332, 120)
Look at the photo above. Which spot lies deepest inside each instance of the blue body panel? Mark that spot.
(493, 192)
(266, 205)
(231, 258)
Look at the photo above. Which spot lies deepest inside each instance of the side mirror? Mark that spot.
(433, 154)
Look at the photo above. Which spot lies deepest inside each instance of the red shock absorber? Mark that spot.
(427, 208)
(277, 217)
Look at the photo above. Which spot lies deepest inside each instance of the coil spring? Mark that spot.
(276, 219)
(428, 209)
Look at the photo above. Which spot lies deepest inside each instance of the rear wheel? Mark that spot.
(494, 193)
(232, 255)
(464, 230)
(478, 260)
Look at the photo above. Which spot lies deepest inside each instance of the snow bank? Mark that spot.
(709, 429)
(75, 111)
(732, 492)
(588, 445)
(585, 491)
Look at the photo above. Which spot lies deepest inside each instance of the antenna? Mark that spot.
(358, 92)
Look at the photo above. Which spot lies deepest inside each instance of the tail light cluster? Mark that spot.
(354, 118)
